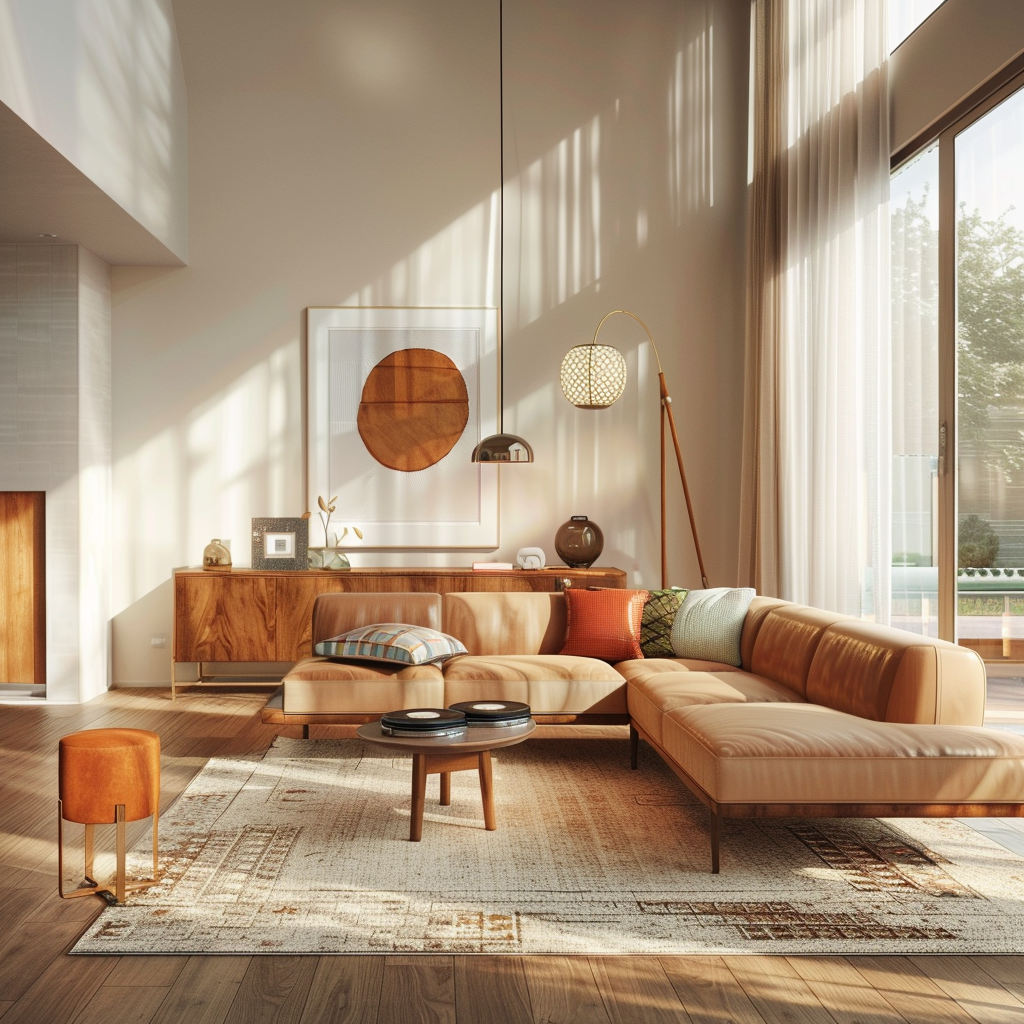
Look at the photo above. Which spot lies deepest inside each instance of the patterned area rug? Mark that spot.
(306, 851)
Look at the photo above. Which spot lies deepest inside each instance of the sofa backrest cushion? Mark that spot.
(888, 674)
(507, 622)
(786, 643)
(338, 613)
(756, 613)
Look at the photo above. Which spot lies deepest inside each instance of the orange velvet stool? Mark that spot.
(107, 776)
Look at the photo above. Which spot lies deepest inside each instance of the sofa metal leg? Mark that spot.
(634, 745)
(716, 832)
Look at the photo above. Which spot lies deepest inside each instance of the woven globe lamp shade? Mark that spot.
(593, 376)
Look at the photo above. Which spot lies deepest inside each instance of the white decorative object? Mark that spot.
(451, 504)
(531, 558)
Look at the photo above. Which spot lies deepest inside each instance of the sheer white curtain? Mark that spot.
(818, 431)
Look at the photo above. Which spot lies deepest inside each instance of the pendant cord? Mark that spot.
(501, 217)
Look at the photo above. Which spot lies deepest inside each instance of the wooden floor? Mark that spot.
(39, 982)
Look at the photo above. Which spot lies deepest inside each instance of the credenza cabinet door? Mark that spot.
(225, 617)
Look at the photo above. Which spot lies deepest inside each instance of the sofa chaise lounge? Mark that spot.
(825, 715)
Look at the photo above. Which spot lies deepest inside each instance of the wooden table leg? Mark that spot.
(487, 790)
(419, 796)
(446, 788)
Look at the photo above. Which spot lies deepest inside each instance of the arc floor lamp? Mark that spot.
(502, 447)
(593, 377)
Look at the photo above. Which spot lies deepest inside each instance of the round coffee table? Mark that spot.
(444, 755)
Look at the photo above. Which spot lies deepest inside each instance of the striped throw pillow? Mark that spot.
(392, 642)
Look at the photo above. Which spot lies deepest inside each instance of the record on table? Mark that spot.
(498, 713)
(423, 722)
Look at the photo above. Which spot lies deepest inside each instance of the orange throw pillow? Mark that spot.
(604, 624)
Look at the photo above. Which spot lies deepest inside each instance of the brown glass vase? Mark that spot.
(579, 542)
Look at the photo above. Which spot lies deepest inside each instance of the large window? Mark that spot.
(990, 379)
(957, 224)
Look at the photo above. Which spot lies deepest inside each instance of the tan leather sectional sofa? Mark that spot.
(826, 716)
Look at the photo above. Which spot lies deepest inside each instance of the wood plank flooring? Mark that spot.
(40, 983)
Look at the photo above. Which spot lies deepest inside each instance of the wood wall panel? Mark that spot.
(22, 587)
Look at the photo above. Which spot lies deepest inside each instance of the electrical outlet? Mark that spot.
(158, 641)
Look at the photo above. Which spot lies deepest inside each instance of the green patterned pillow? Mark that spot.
(656, 625)
(710, 623)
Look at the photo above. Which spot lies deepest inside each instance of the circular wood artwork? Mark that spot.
(413, 409)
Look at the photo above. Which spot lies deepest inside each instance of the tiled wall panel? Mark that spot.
(55, 437)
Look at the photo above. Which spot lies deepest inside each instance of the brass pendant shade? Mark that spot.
(503, 448)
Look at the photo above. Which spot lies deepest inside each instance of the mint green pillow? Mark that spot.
(709, 624)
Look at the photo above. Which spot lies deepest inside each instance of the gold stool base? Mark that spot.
(89, 886)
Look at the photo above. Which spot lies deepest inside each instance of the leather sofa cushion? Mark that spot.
(805, 753)
(506, 623)
(529, 667)
(550, 684)
(863, 669)
(651, 697)
(646, 669)
(326, 686)
(786, 644)
(545, 696)
(334, 614)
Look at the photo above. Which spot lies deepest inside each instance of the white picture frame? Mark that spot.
(452, 504)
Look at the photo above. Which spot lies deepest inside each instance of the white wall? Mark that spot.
(346, 152)
(101, 82)
(953, 52)
(55, 437)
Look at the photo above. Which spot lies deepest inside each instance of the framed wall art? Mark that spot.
(397, 399)
(280, 543)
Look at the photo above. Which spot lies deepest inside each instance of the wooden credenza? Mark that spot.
(248, 615)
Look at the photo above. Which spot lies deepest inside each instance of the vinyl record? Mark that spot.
(493, 712)
(422, 722)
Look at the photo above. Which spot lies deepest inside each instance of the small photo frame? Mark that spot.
(280, 543)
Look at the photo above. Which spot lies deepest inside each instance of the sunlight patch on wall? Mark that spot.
(455, 267)
(690, 124)
(125, 94)
(227, 461)
(553, 208)
(555, 204)
(15, 87)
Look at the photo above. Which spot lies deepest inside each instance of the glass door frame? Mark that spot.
(947, 370)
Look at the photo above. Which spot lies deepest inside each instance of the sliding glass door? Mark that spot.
(989, 209)
(958, 382)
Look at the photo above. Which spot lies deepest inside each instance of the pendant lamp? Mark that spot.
(502, 447)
